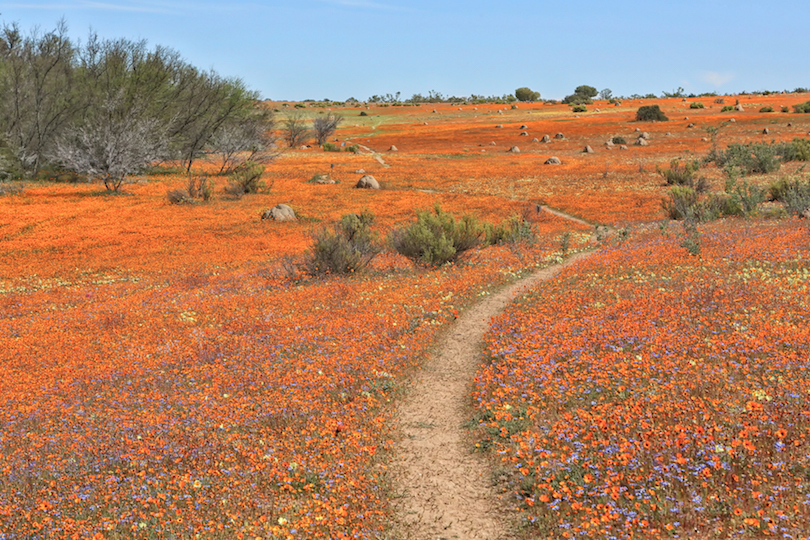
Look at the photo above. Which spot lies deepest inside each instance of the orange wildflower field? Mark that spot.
(164, 375)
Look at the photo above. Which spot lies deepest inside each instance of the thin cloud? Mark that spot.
(363, 4)
(716, 78)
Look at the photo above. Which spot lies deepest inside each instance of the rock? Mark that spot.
(500, 112)
(492, 143)
(535, 140)
(323, 179)
(765, 131)
(515, 150)
(280, 212)
(360, 171)
(304, 147)
(434, 110)
(623, 147)
(424, 123)
(524, 133)
(545, 139)
(588, 150)
(644, 135)
(524, 126)
(704, 139)
(553, 160)
(367, 182)
(559, 136)
(684, 100)
(806, 213)
(499, 126)
(638, 129)
(597, 110)
(616, 104)
(393, 148)
(739, 107)
(642, 142)
(609, 143)
(690, 125)
(732, 120)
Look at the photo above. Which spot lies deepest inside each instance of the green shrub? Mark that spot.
(300, 106)
(330, 147)
(515, 229)
(801, 148)
(727, 108)
(766, 109)
(681, 203)
(619, 140)
(354, 148)
(682, 174)
(802, 107)
(752, 158)
(650, 113)
(793, 193)
(437, 237)
(247, 177)
(785, 108)
(347, 248)
(363, 113)
(579, 108)
(696, 105)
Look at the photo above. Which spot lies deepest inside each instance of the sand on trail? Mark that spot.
(445, 491)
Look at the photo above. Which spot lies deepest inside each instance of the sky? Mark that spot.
(337, 49)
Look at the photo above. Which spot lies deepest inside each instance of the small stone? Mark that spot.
(553, 160)
(559, 136)
(515, 150)
(588, 150)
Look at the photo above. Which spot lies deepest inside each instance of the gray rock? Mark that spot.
(393, 149)
(588, 150)
(367, 182)
(545, 139)
(280, 212)
(515, 150)
(559, 136)
(524, 133)
(553, 160)
(642, 142)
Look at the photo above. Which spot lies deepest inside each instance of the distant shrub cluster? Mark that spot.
(802, 107)
(696, 105)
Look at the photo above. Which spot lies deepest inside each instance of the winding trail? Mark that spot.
(446, 490)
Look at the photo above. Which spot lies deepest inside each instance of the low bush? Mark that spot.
(683, 174)
(330, 147)
(785, 108)
(199, 187)
(802, 107)
(247, 177)
(437, 238)
(766, 109)
(752, 158)
(794, 193)
(727, 108)
(579, 108)
(619, 140)
(10, 188)
(515, 229)
(681, 203)
(650, 113)
(696, 105)
(347, 248)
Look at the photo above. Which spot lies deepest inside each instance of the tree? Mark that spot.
(39, 94)
(295, 129)
(526, 94)
(249, 138)
(605, 94)
(583, 95)
(325, 126)
(112, 146)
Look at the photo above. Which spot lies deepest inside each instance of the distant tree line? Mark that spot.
(107, 108)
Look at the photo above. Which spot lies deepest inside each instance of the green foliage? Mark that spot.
(727, 108)
(247, 177)
(526, 94)
(583, 95)
(650, 113)
(515, 229)
(681, 203)
(793, 192)
(690, 240)
(437, 237)
(349, 247)
(752, 158)
(766, 109)
(579, 108)
(785, 108)
(619, 140)
(682, 174)
(330, 147)
(799, 150)
(696, 105)
(802, 107)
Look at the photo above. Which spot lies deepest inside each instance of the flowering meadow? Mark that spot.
(164, 375)
(650, 393)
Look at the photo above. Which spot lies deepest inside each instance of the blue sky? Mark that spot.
(336, 49)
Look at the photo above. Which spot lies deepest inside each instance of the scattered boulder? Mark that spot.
(623, 147)
(732, 120)
(588, 150)
(280, 212)
(545, 139)
(553, 160)
(644, 135)
(609, 143)
(642, 142)
(434, 110)
(616, 104)
(500, 112)
(367, 182)
(499, 126)
(638, 129)
(524, 126)
(535, 140)
(492, 143)
(393, 149)
(690, 125)
(806, 214)
(789, 124)
(515, 150)
(597, 110)
(704, 139)
(559, 136)
(739, 107)
(524, 133)
(765, 131)
(668, 134)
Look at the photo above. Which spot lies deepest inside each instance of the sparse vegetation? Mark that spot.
(650, 113)
(437, 237)
(696, 105)
(347, 248)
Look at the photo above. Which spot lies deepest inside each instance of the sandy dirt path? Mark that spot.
(446, 491)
